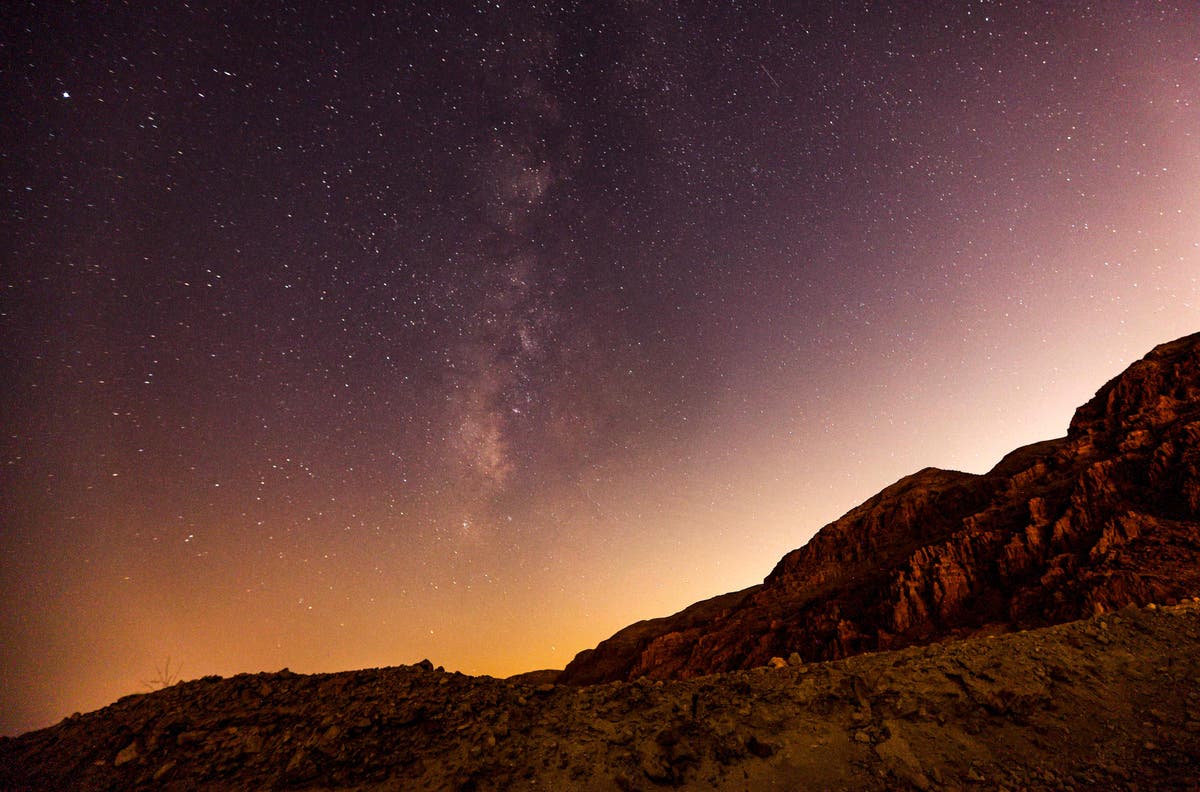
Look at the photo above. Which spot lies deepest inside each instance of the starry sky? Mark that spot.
(337, 336)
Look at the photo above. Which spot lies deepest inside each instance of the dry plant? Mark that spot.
(165, 676)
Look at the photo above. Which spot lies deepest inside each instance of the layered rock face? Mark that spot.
(1105, 517)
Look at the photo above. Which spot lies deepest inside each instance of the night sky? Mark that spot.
(337, 338)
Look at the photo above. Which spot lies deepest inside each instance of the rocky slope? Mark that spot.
(1107, 516)
(1108, 703)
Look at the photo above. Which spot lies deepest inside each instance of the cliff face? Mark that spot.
(1105, 517)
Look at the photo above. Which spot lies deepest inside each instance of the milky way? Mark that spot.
(338, 338)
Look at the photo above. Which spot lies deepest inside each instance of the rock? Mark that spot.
(777, 662)
(190, 738)
(128, 754)
(899, 759)
(758, 748)
(300, 767)
(163, 771)
(656, 768)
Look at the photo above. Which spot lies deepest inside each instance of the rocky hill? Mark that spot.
(1108, 703)
(1105, 517)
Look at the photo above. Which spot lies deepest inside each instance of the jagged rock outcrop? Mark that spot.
(1105, 517)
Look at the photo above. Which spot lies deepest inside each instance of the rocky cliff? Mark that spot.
(1105, 517)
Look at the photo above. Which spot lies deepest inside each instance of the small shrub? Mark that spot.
(165, 676)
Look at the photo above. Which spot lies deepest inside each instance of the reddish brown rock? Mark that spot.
(1105, 517)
